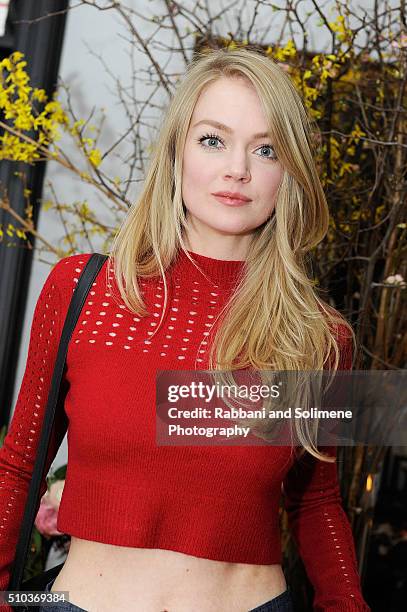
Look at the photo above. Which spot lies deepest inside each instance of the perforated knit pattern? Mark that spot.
(111, 326)
(218, 502)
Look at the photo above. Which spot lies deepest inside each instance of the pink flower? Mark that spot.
(54, 493)
(46, 519)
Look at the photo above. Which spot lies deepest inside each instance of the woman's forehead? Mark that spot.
(226, 110)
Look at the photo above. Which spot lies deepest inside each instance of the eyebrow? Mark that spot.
(225, 128)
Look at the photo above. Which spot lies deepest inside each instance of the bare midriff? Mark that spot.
(102, 577)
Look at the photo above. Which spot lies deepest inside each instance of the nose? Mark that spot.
(238, 168)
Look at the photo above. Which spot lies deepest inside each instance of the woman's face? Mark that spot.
(238, 158)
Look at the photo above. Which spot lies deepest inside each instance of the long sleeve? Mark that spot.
(17, 455)
(321, 529)
(323, 535)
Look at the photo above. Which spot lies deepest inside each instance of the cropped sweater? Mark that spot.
(121, 488)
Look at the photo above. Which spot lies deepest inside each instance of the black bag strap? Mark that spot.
(87, 277)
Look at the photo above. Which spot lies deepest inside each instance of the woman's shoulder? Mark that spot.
(337, 322)
(63, 278)
(343, 334)
(67, 270)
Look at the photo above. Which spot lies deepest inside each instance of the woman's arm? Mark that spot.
(17, 455)
(320, 526)
(323, 535)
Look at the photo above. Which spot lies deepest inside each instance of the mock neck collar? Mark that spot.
(220, 272)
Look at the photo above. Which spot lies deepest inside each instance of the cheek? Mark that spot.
(192, 172)
(197, 169)
(268, 182)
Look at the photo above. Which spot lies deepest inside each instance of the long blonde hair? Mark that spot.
(274, 320)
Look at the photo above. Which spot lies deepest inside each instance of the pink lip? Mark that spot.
(236, 195)
(231, 201)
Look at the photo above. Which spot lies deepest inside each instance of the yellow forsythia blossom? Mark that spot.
(18, 105)
(95, 157)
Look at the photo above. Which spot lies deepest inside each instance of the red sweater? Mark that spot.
(218, 502)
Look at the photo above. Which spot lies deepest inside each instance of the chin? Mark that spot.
(232, 231)
(223, 225)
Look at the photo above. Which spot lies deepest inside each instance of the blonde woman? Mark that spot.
(208, 270)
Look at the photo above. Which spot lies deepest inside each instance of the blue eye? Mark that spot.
(216, 137)
(209, 137)
(267, 146)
